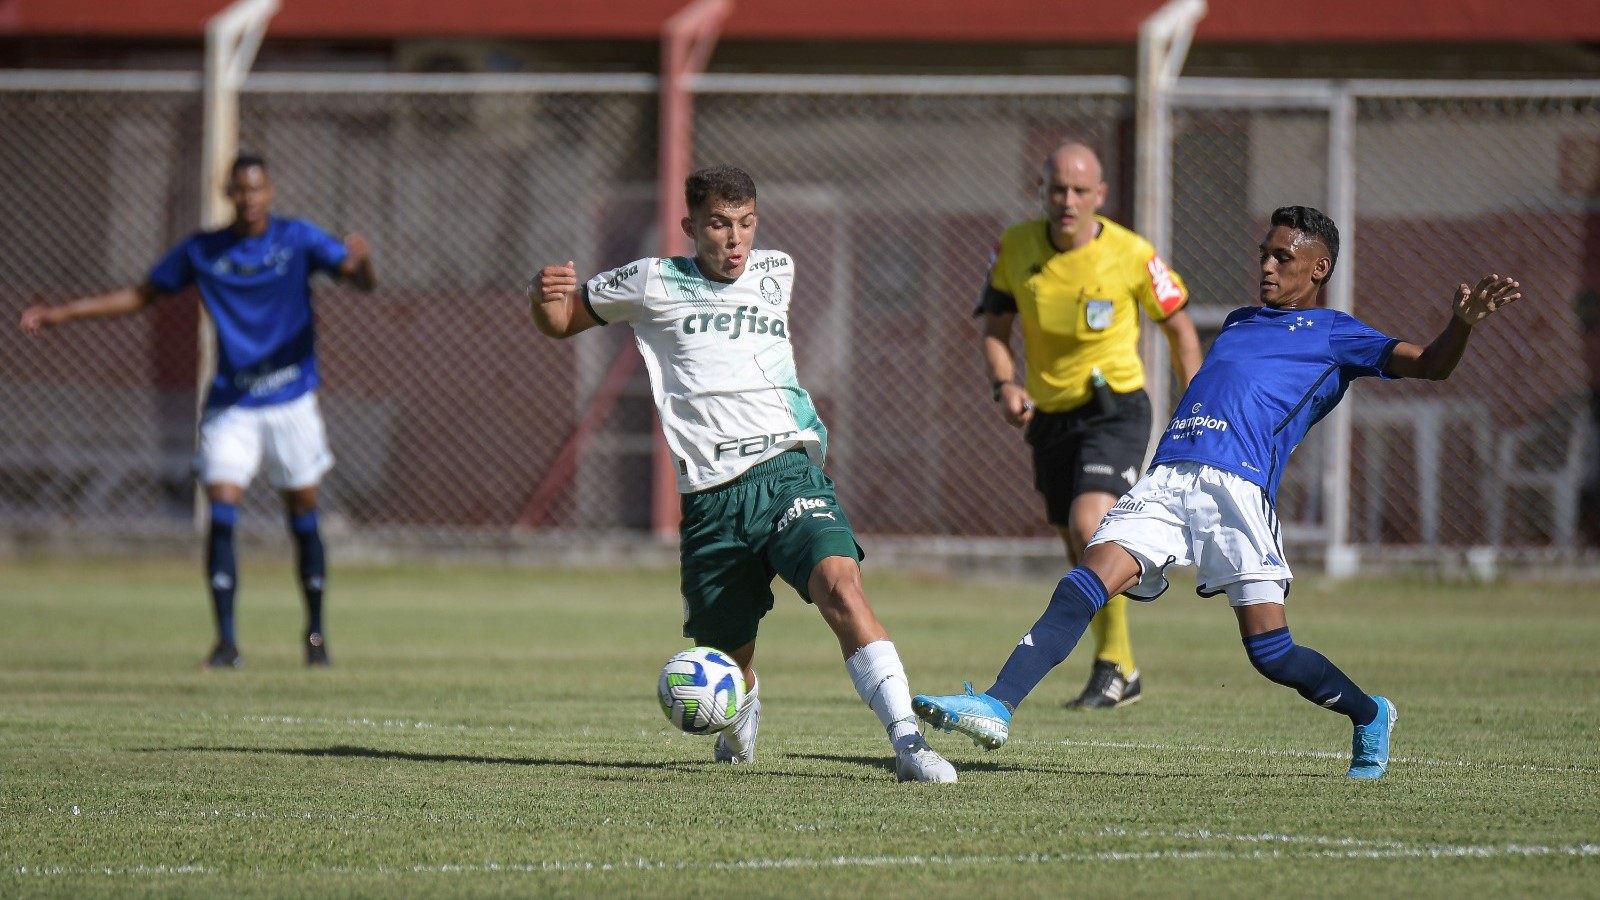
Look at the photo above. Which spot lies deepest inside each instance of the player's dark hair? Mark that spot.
(247, 161)
(1312, 222)
(727, 183)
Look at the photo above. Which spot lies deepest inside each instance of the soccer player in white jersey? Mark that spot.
(261, 406)
(1207, 500)
(714, 333)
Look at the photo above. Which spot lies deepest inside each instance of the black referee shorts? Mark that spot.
(1083, 450)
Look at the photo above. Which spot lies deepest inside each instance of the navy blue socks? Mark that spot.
(1275, 655)
(313, 565)
(222, 567)
(1078, 596)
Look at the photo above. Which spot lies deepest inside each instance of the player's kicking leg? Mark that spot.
(875, 668)
(986, 717)
(1114, 678)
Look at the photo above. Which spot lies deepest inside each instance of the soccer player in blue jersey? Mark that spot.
(1207, 500)
(261, 407)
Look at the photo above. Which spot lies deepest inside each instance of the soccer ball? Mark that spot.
(700, 690)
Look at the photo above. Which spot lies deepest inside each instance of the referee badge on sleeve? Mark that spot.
(1101, 314)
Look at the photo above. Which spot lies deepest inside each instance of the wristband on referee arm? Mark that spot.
(995, 388)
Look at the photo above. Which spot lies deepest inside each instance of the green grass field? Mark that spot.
(494, 731)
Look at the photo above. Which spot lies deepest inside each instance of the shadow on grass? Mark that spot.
(374, 753)
(881, 763)
(965, 766)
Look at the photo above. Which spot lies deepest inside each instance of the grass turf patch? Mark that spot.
(492, 730)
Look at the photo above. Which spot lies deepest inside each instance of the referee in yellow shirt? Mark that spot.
(1076, 282)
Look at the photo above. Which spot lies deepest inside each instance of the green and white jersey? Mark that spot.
(721, 365)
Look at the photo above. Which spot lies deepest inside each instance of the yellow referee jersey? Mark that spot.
(1080, 309)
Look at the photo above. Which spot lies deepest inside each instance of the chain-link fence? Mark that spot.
(444, 408)
(448, 413)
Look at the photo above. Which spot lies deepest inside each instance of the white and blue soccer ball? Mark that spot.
(700, 690)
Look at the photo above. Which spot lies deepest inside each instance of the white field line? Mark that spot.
(1246, 847)
(406, 724)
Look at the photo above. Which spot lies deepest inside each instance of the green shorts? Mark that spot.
(779, 518)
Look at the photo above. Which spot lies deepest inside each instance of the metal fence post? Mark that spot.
(1163, 45)
(232, 38)
(687, 40)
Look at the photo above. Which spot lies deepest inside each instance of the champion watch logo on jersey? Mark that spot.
(1165, 286)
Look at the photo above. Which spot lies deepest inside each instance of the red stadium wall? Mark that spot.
(1021, 21)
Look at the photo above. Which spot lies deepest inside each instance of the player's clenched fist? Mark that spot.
(36, 319)
(555, 282)
(554, 301)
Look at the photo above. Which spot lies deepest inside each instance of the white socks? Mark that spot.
(880, 679)
(749, 701)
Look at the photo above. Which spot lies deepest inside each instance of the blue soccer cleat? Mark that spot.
(978, 716)
(1369, 749)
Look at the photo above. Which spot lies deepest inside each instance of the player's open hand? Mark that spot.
(36, 319)
(1473, 305)
(556, 282)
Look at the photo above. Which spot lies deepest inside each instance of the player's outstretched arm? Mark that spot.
(555, 301)
(1469, 307)
(122, 302)
(357, 266)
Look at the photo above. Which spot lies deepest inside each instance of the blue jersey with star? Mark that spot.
(258, 291)
(1269, 377)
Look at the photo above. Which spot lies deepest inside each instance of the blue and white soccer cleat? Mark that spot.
(978, 716)
(1369, 749)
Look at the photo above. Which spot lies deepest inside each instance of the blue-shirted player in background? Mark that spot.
(254, 277)
(1208, 497)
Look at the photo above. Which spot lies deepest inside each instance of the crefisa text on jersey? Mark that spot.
(619, 276)
(767, 263)
(744, 320)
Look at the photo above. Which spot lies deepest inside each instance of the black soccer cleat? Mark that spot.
(1108, 688)
(317, 650)
(225, 655)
